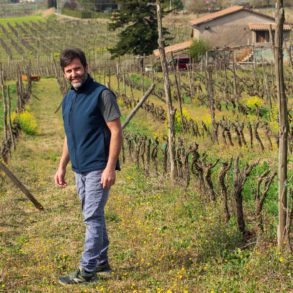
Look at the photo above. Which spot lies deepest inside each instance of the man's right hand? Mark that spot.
(60, 178)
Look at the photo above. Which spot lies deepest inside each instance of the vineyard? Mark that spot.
(46, 37)
(213, 231)
(43, 38)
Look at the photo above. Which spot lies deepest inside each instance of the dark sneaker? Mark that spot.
(104, 268)
(78, 277)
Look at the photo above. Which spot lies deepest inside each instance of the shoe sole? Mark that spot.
(106, 272)
(84, 283)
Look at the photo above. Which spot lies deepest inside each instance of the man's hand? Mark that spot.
(108, 178)
(60, 177)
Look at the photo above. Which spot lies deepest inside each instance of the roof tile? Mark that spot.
(174, 48)
(266, 26)
(212, 16)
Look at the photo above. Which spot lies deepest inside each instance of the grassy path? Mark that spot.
(162, 238)
(36, 247)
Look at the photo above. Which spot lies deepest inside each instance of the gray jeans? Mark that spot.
(93, 200)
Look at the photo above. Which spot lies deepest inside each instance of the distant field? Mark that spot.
(40, 37)
(20, 19)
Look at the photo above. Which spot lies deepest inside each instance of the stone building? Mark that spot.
(236, 26)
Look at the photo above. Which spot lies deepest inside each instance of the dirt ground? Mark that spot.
(180, 19)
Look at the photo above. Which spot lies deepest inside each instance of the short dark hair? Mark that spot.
(69, 54)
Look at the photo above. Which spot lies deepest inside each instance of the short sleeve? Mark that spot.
(108, 106)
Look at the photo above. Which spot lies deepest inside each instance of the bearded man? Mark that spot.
(92, 143)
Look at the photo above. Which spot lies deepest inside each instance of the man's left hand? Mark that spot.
(108, 178)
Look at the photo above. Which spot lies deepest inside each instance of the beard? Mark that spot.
(78, 84)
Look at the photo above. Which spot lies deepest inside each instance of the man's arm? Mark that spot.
(109, 173)
(60, 174)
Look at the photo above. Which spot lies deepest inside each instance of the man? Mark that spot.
(92, 143)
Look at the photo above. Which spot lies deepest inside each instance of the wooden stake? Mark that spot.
(136, 108)
(18, 184)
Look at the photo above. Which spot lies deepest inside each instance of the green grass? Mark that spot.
(13, 96)
(20, 19)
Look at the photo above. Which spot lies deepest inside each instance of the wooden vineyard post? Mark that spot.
(211, 100)
(142, 81)
(118, 77)
(235, 90)
(9, 119)
(170, 112)
(3, 92)
(190, 78)
(178, 92)
(143, 99)
(21, 186)
(283, 126)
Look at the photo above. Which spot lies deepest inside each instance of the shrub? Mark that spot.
(253, 101)
(137, 80)
(256, 105)
(26, 121)
(178, 125)
(198, 49)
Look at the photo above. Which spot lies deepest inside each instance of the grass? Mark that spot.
(162, 237)
(20, 19)
(13, 96)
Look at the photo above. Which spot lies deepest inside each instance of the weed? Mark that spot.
(27, 122)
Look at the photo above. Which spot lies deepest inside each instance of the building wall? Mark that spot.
(231, 30)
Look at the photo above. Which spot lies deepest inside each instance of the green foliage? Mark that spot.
(138, 21)
(61, 261)
(253, 102)
(198, 49)
(20, 19)
(256, 106)
(27, 122)
(137, 80)
(178, 5)
(12, 92)
(178, 125)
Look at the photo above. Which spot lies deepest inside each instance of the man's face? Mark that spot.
(75, 73)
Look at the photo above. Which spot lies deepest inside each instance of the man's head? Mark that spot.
(74, 65)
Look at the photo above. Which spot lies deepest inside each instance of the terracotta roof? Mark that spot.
(214, 15)
(224, 12)
(266, 26)
(174, 48)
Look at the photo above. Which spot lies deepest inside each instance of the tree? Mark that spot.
(198, 49)
(52, 3)
(139, 34)
(177, 4)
